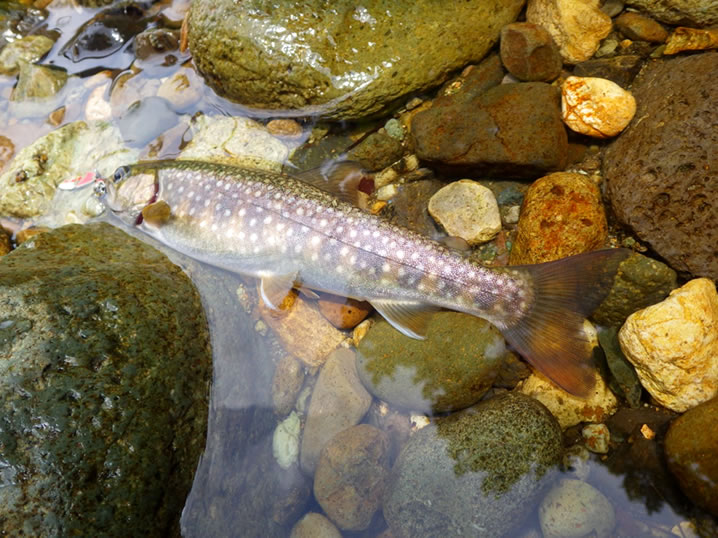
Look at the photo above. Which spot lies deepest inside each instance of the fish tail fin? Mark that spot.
(550, 335)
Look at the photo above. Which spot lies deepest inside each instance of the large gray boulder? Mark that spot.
(340, 59)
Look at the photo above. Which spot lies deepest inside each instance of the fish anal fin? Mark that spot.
(342, 179)
(275, 288)
(551, 335)
(408, 317)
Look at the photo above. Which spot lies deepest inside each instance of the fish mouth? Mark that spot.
(128, 191)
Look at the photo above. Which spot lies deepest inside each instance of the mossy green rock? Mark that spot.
(104, 374)
(474, 473)
(691, 449)
(641, 282)
(341, 60)
(452, 369)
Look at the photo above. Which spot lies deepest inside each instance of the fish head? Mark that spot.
(128, 191)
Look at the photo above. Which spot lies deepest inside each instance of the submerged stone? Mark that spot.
(104, 377)
(450, 370)
(474, 473)
(340, 60)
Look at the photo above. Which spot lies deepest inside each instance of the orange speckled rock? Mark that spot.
(562, 215)
(342, 312)
(303, 331)
(684, 39)
(596, 107)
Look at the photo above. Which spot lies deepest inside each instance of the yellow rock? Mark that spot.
(674, 346)
(683, 39)
(577, 26)
(596, 106)
(570, 410)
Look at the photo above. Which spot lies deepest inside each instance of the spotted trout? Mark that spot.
(306, 231)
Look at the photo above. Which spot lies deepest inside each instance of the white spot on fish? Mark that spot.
(340, 229)
(227, 212)
(353, 234)
(214, 227)
(375, 234)
(344, 251)
(400, 254)
(190, 194)
(202, 223)
(300, 211)
(242, 212)
(220, 183)
(340, 269)
(365, 233)
(386, 267)
(257, 194)
(315, 257)
(206, 203)
(226, 186)
(297, 248)
(191, 211)
(315, 240)
(241, 235)
(401, 271)
(253, 238)
(384, 240)
(267, 220)
(181, 189)
(252, 222)
(323, 222)
(414, 255)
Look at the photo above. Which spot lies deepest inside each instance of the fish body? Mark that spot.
(288, 232)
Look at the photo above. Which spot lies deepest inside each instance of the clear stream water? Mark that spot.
(239, 443)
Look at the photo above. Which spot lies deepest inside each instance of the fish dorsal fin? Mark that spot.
(274, 288)
(408, 317)
(341, 179)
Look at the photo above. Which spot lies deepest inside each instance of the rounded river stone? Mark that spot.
(339, 59)
(450, 370)
(478, 472)
(662, 172)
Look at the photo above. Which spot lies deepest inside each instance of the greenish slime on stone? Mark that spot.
(105, 406)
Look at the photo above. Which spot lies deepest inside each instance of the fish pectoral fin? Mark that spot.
(274, 288)
(309, 292)
(156, 213)
(408, 317)
(341, 179)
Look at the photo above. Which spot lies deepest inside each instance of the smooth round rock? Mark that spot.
(482, 468)
(340, 59)
(662, 172)
(468, 210)
(691, 447)
(596, 106)
(561, 215)
(640, 28)
(351, 474)
(314, 525)
(529, 53)
(574, 509)
(450, 370)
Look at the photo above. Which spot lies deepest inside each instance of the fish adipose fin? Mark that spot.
(550, 335)
(274, 288)
(341, 179)
(407, 317)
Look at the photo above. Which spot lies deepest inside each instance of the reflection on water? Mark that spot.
(485, 471)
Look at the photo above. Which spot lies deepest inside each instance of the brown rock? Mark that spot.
(286, 384)
(691, 448)
(461, 136)
(676, 12)
(683, 39)
(529, 53)
(351, 474)
(561, 215)
(343, 312)
(619, 69)
(284, 127)
(303, 331)
(662, 172)
(640, 28)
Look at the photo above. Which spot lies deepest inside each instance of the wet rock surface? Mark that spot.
(529, 53)
(475, 471)
(574, 508)
(619, 69)
(674, 345)
(637, 27)
(562, 214)
(686, 12)
(351, 474)
(595, 106)
(105, 368)
(459, 133)
(641, 282)
(330, 61)
(450, 370)
(691, 446)
(661, 173)
(339, 401)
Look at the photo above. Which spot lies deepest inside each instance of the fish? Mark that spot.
(306, 231)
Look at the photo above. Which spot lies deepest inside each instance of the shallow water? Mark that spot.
(238, 487)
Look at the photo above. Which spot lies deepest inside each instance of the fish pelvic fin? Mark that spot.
(550, 335)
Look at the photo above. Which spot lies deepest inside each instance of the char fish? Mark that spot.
(305, 231)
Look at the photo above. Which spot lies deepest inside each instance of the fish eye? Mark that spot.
(121, 173)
